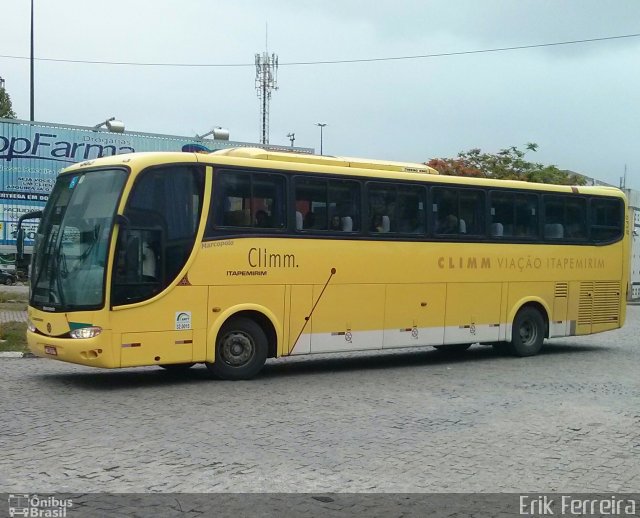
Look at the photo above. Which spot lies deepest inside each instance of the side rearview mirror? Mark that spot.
(36, 214)
(20, 243)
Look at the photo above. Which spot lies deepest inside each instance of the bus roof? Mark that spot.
(301, 158)
(357, 167)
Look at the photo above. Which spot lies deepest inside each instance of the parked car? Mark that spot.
(7, 278)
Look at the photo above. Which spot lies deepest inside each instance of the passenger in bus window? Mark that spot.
(262, 219)
(309, 220)
(448, 225)
(335, 223)
(376, 223)
(410, 222)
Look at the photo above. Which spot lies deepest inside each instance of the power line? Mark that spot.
(330, 62)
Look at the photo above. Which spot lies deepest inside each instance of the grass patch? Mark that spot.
(13, 336)
(13, 301)
(13, 306)
(12, 296)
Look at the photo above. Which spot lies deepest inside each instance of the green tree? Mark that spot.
(507, 164)
(6, 110)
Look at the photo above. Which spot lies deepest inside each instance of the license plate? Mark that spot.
(50, 349)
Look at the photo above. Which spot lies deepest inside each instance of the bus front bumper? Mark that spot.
(94, 352)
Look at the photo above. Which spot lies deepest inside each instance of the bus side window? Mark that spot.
(344, 205)
(565, 217)
(248, 200)
(410, 212)
(382, 201)
(607, 221)
(163, 211)
(445, 211)
(322, 204)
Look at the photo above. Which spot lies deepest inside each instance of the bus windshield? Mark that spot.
(72, 243)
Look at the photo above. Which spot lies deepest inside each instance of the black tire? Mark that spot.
(453, 348)
(527, 335)
(8, 281)
(177, 367)
(241, 350)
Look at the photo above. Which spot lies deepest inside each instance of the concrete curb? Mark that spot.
(16, 354)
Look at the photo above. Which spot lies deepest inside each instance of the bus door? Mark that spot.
(158, 317)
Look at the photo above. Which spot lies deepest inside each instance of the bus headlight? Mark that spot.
(30, 326)
(86, 332)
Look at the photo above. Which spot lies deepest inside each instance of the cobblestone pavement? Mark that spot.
(417, 421)
(13, 316)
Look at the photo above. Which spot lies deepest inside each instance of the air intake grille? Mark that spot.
(599, 303)
(585, 303)
(562, 289)
(606, 303)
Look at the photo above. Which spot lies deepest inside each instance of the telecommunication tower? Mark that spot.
(266, 81)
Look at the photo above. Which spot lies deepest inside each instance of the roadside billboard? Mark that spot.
(32, 155)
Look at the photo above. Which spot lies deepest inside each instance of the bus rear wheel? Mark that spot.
(241, 350)
(527, 332)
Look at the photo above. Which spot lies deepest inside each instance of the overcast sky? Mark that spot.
(580, 103)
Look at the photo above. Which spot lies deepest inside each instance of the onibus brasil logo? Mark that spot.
(35, 506)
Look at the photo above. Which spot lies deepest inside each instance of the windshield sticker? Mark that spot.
(74, 182)
(183, 320)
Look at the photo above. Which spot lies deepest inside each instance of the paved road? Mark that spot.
(567, 420)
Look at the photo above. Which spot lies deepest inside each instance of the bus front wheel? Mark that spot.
(241, 350)
(527, 332)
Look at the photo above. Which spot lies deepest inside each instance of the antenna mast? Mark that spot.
(266, 81)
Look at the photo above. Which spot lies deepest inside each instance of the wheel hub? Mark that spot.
(237, 349)
(527, 333)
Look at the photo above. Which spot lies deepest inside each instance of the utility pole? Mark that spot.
(32, 103)
(266, 81)
(321, 125)
(291, 137)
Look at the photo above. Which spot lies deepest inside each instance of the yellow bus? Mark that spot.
(233, 257)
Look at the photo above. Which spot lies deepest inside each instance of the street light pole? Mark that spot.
(32, 80)
(321, 125)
